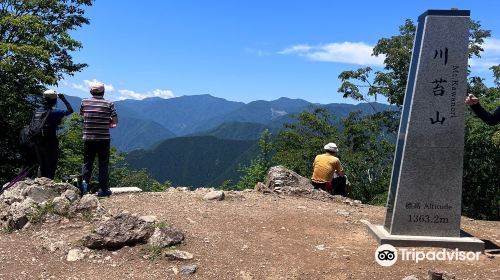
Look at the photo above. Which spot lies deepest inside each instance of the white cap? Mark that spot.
(96, 87)
(50, 94)
(332, 147)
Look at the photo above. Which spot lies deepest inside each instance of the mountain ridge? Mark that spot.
(156, 119)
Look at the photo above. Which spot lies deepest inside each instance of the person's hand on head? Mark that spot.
(61, 96)
(471, 100)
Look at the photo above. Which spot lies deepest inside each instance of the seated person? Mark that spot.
(325, 166)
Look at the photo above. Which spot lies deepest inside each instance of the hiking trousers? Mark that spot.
(91, 149)
(47, 155)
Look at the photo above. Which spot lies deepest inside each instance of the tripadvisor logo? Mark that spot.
(387, 255)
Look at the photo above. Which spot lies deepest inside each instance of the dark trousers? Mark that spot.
(321, 186)
(47, 155)
(338, 184)
(91, 149)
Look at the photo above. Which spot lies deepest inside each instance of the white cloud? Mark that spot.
(86, 86)
(80, 87)
(296, 49)
(492, 44)
(163, 93)
(490, 56)
(130, 94)
(345, 52)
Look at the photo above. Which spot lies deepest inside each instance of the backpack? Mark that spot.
(31, 134)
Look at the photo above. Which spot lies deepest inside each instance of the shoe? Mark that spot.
(104, 194)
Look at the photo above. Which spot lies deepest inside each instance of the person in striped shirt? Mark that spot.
(99, 115)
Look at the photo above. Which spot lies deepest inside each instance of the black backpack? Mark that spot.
(31, 134)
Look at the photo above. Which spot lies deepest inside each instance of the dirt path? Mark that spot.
(246, 236)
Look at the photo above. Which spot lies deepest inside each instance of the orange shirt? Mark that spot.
(325, 165)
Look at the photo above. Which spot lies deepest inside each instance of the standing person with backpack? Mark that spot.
(98, 116)
(45, 142)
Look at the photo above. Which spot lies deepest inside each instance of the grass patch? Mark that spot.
(40, 212)
(87, 216)
(153, 251)
(7, 229)
(162, 225)
(93, 228)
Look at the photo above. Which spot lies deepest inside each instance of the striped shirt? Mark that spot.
(97, 113)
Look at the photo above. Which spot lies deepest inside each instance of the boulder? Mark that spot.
(281, 180)
(165, 237)
(118, 231)
(18, 214)
(279, 177)
(72, 195)
(39, 193)
(214, 195)
(189, 269)
(87, 203)
(178, 255)
(61, 205)
(61, 188)
(14, 194)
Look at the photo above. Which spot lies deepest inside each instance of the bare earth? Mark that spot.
(246, 236)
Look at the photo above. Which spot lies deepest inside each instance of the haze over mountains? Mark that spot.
(144, 123)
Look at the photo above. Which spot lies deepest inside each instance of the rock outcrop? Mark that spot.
(32, 200)
(280, 180)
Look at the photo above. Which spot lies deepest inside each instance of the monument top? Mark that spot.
(456, 13)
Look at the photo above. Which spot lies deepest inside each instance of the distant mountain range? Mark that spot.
(143, 123)
(201, 140)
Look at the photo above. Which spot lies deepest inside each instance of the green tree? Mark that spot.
(481, 182)
(70, 147)
(365, 148)
(297, 144)
(367, 153)
(35, 51)
(256, 171)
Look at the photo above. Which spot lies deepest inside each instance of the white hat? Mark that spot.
(332, 147)
(96, 87)
(50, 94)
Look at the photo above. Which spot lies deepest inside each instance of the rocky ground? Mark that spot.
(247, 235)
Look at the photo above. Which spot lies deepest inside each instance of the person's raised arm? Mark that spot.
(69, 109)
(487, 117)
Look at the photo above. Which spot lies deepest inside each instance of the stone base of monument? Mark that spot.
(125, 190)
(464, 243)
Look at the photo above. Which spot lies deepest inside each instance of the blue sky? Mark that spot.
(245, 50)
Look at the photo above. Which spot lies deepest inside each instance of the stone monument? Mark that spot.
(424, 203)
